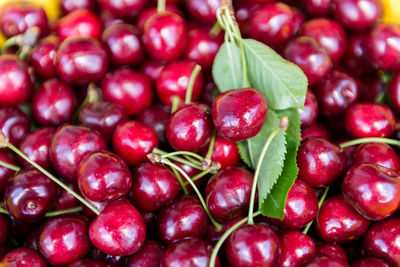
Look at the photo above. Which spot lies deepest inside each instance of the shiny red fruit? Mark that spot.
(14, 124)
(148, 256)
(225, 152)
(79, 23)
(377, 153)
(296, 248)
(23, 257)
(125, 9)
(43, 55)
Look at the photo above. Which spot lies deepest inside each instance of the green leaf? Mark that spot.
(227, 67)
(244, 153)
(283, 83)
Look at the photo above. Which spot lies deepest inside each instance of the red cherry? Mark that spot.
(23, 257)
(318, 8)
(149, 255)
(394, 91)
(356, 58)
(204, 11)
(225, 152)
(370, 262)
(88, 263)
(377, 153)
(315, 130)
(309, 115)
(67, 6)
(157, 118)
(296, 248)
(14, 124)
(325, 261)
(43, 55)
(152, 69)
(147, 13)
(79, 23)
(123, 9)
(5, 173)
(331, 250)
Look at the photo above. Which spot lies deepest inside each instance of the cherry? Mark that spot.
(88, 263)
(394, 91)
(159, 45)
(377, 153)
(310, 56)
(17, 17)
(119, 230)
(370, 262)
(157, 118)
(148, 256)
(296, 248)
(309, 115)
(253, 245)
(357, 15)
(5, 173)
(53, 103)
(325, 261)
(331, 250)
(210, 92)
(133, 141)
(81, 23)
(64, 240)
(243, 11)
(123, 44)
(174, 80)
(43, 55)
(213, 235)
(240, 113)
(152, 69)
(69, 145)
(65, 200)
(204, 11)
(380, 241)
(320, 162)
(111, 261)
(369, 120)
(356, 58)
(147, 13)
(315, 130)
(190, 128)
(188, 252)
(129, 88)
(81, 60)
(14, 124)
(3, 229)
(318, 8)
(372, 88)
(225, 152)
(153, 186)
(185, 217)
(16, 86)
(67, 6)
(23, 257)
(123, 9)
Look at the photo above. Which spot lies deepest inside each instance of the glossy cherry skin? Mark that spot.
(119, 230)
(370, 262)
(357, 15)
(23, 257)
(331, 250)
(152, 69)
(310, 56)
(356, 58)
(382, 49)
(81, 60)
(336, 93)
(123, 44)
(67, 6)
(43, 55)
(320, 162)
(16, 85)
(183, 218)
(69, 145)
(153, 186)
(147, 13)
(65, 200)
(5, 173)
(228, 193)
(53, 103)
(3, 229)
(88, 263)
(225, 152)
(162, 46)
(190, 128)
(123, 9)
(129, 88)
(17, 17)
(318, 8)
(103, 117)
(243, 11)
(64, 240)
(174, 80)
(157, 118)
(204, 11)
(394, 91)
(310, 114)
(377, 153)
(380, 241)
(372, 190)
(133, 141)
(82, 23)
(325, 261)
(14, 124)
(148, 256)
(369, 120)
(296, 248)
(253, 245)
(315, 130)
(213, 235)
(239, 114)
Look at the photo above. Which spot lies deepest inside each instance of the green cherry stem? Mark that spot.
(180, 181)
(178, 159)
(4, 211)
(59, 212)
(178, 153)
(211, 146)
(189, 90)
(92, 95)
(175, 103)
(370, 140)
(160, 5)
(9, 166)
(199, 176)
(321, 200)
(283, 124)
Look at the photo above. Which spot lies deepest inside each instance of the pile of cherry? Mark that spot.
(117, 151)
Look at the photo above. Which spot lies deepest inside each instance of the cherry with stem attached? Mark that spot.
(321, 200)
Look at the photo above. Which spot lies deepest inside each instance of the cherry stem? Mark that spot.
(321, 200)
(178, 159)
(211, 146)
(221, 241)
(180, 181)
(370, 140)
(217, 226)
(92, 95)
(175, 103)
(160, 5)
(177, 153)
(15, 40)
(9, 166)
(193, 76)
(215, 30)
(198, 176)
(194, 161)
(59, 212)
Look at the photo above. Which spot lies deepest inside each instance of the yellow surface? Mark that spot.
(392, 11)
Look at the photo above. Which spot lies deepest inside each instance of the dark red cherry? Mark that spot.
(67, 6)
(370, 262)
(157, 118)
(315, 130)
(16, 85)
(64, 240)
(79, 23)
(240, 113)
(210, 92)
(152, 69)
(204, 11)
(43, 55)
(119, 230)
(69, 145)
(130, 89)
(190, 128)
(318, 8)
(3, 229)
(163, 46)
(213, 235)
(53, 103)
(81, 60)
(310, 56)
(372, 88)
(377, 153)
(133, 141)
(5, 173)
(14, 124)
(174, 80)
(253, 245)
(23, 257)
(356, 58)
(331, 250)
(336, 93)
(65, 200)
(88, 263)
(243, 11)
(381, 241)
(36, 145)
(310, 114)
(372, 190)
(357, 15)
(225, 152)
(147, 13)
(123, 9)
(153, 186)
(228, 193)
(325, 261)
(320, 162)
(123, 44)
(148, 256)
(394, 91)
(369, 120)
(183, 218)
(17, 17)
(296, 248)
